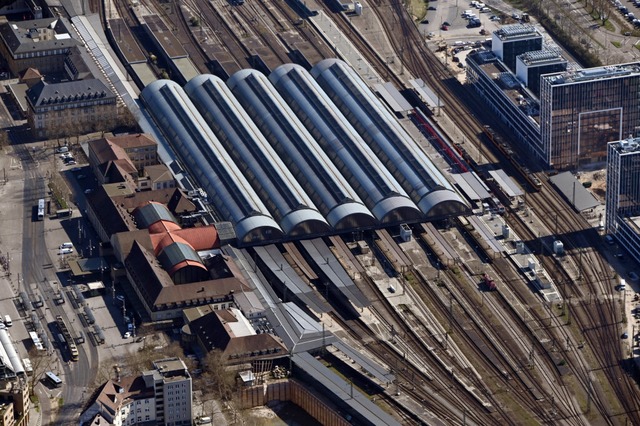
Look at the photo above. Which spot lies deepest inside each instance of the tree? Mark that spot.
(602, 8)
(217, 377)
(40, 365)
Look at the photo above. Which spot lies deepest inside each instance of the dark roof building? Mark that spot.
(42, 43)
(230, 332)
(72, 107)
(109, 208)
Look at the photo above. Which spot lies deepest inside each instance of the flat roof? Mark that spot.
(378, 371)
(426, 93)
(164, 37)
(392, 97)
(334, 271)
(339, 388)
(279, 266)
(472, 186)
(126, 42)
(506, 184)
(571, 188)
(590, 74)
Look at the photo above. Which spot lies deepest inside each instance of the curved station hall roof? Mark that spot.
(288, 136)
(425, 184)
(263, 167)
(206, 159)
(347, 150)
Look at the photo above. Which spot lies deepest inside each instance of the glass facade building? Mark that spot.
(622, 218)
(581, 111)
(512, 40)
(531, 66)
(513, 105)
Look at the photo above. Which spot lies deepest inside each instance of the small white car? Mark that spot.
(126, 335)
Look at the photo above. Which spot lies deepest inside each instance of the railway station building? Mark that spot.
(622, 219)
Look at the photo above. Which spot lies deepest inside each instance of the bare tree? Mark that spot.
(40, 365)
(602, 8)
(4, 138)
(127, 120)
(219, 380)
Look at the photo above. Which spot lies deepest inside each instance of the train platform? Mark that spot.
(344, 48)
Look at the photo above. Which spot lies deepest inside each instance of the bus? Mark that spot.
(53, 379)
(41, 209)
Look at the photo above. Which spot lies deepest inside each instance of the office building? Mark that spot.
(622, 219)
(512, 40)
(531, 66)
(581, 111)
(505, 95)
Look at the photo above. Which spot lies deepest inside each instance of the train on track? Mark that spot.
(534, 183)
(423, 123)
(488, 284)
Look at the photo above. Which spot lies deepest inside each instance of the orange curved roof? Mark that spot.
(160, 241)
(204, 238)
(163, 226)
(185, 263)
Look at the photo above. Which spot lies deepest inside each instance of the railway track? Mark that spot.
(505, 362)
(597, 320)
(417, 352)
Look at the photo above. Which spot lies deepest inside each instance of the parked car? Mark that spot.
(126, 335)
(446, 23)
(625, 335)
(444, 28)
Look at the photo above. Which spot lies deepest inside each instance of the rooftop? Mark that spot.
(626, 146)
(517, 31)
(541, 57)
(591, 74)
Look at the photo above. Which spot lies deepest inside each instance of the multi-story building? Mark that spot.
(161, 396)
(506, 96)
(622, 218)
(70, 108)
(171, 384)
(42, 44)
(531, 66)
(512, 40)
(581, 111)
(123, 158)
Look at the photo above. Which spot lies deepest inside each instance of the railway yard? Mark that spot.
(475, 321)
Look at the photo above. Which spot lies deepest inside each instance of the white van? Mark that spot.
(204, 420)
(66, 250)
(62, 149)
(622, 286)
(65, 245)
(7, 321)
